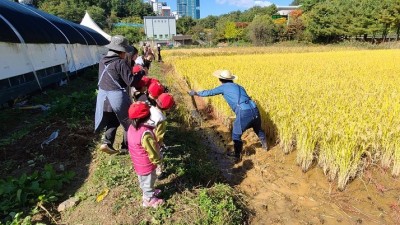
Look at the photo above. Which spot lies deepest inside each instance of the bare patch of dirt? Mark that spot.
(70, 148)
(70, 151)
(278, 192)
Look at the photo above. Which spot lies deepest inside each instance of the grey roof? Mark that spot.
(159, 17)
(181, 37)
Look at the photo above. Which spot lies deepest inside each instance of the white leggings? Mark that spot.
(147, 184)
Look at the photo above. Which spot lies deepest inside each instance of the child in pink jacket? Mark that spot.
(144, 152)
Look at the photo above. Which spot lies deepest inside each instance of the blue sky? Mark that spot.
(218, 7)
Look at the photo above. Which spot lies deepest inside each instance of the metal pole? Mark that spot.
(25, 47)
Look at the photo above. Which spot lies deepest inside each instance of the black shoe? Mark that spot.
(238, 159)
(234, 157)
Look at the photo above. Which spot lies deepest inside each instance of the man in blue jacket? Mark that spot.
(247, 114)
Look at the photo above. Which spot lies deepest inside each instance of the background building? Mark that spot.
(175, 13)
(159, 28)
(189, 8)
(285, 10)
(166, 11)
(157, 6)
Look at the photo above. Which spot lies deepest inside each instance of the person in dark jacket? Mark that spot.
(113, 101)
(247, 114)
(159, 52)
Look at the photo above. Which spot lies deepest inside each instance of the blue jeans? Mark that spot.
(249, 118)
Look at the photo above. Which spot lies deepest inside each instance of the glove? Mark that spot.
(192, 93)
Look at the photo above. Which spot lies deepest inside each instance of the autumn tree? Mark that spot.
(231, 32)
(295, 26)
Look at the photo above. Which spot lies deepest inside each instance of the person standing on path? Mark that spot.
(159, 52)
(113, 100)
(247, 114)
(145, 152)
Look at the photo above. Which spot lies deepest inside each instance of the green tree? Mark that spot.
(220, 29)
(233, 16)
(323, 22)
(367, 20)
(66, 9)
(133, 34)
(262, 30)
(230, 31)
(395, 12)
(111, 19)
(307, 5)
(385, 18)
(295, 2)
(248, 15)
(184, 24)
(209, 22)
(98, 15)
(197, 32)
(139, 9)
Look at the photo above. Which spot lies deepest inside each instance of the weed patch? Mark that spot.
(28, 191)
(219, 205)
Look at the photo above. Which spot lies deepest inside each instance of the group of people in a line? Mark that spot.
(146, 49)
(127, 96)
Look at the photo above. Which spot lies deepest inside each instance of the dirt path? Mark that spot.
(278, 192)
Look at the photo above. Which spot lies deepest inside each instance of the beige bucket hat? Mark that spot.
(224, 74)
(119, 43)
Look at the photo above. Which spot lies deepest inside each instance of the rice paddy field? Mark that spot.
(338, 108)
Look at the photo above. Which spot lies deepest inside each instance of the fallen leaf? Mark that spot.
(102, 195)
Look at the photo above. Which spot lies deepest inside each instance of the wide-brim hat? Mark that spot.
(119, 43)
(224, 74)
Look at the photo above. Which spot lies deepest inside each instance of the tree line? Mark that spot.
(315, 21)
(323, 21)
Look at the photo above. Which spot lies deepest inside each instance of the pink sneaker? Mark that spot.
(153, 202)
(157, 192)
